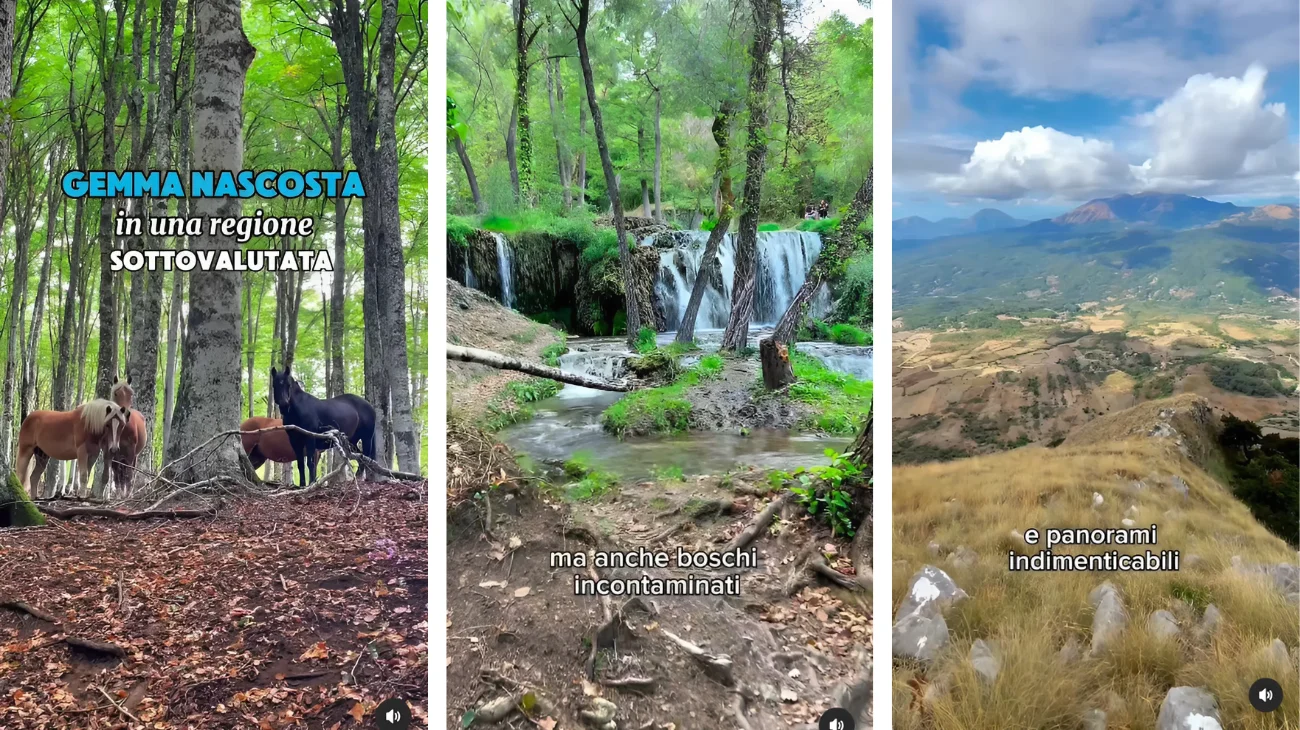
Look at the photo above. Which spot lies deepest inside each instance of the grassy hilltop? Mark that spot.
(1154, 463)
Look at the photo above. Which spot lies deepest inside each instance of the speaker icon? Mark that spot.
(836, 718)
(393, 714)
(1265, 694)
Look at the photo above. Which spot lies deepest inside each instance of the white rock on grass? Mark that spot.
(920, 631)
(920, 636)
(1094, 720)
(930, 587)
(1071, 652)
(1189, 708)
(1209, 624)
(1016, 536)
(1095, 596)
(1132, 511)
(1127, 522)
(964, 556)
(1162, 625)
(1109, 620)
(984, 662)
(1276, 654)
(1097, 500)
(935, 549)
(1179, 486)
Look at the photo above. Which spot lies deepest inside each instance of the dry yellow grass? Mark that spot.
(976, 503)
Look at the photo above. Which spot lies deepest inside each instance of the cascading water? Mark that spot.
(603, 364)
(784, 259)
(505, 270)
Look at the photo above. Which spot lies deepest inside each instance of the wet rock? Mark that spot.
(1189, 708)
(1179, 486)
(983, 661)
(920, 636)
(1109, 620)
(1162, 625)
(1094, 720)
(930, 588)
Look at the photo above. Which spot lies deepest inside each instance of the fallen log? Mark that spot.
(505, 362)
(112, 514)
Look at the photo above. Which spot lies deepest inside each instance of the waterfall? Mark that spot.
(604, 364)
(505, 270)
(784, 259)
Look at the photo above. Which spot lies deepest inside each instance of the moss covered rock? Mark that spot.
(16, 508)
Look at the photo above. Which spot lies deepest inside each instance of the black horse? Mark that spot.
(348, 414)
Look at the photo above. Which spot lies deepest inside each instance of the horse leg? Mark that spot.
(302, 470)
(84, 461)
(312, 457)
(256, 458)
(24, 460)
(39, 472)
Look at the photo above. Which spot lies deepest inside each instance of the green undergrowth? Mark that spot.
(551, 353)
(586, 483)
(842, 401)
(840, 334)
(511, 405)
(660, 410)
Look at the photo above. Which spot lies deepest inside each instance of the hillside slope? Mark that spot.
(1028, 649)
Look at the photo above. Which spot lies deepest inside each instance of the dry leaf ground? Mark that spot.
(301, 612)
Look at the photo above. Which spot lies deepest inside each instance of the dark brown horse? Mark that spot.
(122, 460)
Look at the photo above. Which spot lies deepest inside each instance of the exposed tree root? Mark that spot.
(28, 609)
(176, 514)
(102, 647)
(643, 685)
(760, 523)
(717, 666)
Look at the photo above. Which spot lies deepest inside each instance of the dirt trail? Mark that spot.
(301, 612)
(516, 628)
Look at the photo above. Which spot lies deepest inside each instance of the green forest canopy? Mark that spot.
(693, 56)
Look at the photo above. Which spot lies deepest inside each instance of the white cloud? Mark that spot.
(1216, 129)
(1038, 162)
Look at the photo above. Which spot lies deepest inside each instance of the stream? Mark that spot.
(569, 423)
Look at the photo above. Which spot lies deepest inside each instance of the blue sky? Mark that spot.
(1034, 107)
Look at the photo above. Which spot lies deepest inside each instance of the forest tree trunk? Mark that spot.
(659, 149)
(631, 297)
(27, 396)
(209, 397)
(775, 357)
(107, 365)
(726, 199)
(830, 262)
(8, 12)
(147, 286)
(512, 155)
(17, 299)
(580, 163)
(337, 384)
(392, 265)
(525, 159)
(465, 162)
(736, 336)
(554, 97)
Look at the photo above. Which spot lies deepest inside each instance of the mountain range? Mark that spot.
(1161, 210)
(1180, 250)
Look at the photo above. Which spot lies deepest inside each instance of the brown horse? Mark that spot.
(268, 445)
(122, 460)
(79, 434)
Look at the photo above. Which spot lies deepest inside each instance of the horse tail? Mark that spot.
(95, 414)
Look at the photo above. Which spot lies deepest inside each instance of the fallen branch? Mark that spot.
(759, 524)
(120, 708)
(504, 362)
(28, 609)
(642, 685)
(817, 564)
(176, 514)
(717, 666)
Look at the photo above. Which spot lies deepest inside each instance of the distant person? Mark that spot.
(824, 210)
(808, 213)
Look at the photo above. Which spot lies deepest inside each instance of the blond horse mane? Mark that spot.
(95, 415)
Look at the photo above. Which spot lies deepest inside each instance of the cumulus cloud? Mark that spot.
(1216, 129)
(1038, 162)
